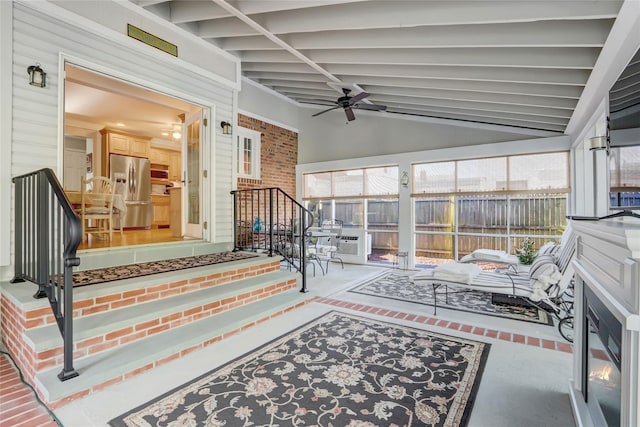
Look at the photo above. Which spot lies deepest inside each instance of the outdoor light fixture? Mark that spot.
(602, 142)
(37, 77)
(226, 128)
(405, 179)
(598, 143)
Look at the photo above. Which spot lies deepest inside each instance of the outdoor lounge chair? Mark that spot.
(511, 261)
(547, 280)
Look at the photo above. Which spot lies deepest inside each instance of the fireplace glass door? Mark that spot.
(603, 382)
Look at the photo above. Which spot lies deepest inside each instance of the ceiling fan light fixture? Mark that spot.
(176, 135)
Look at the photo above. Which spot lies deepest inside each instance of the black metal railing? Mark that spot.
(269, 220)
(47, 235)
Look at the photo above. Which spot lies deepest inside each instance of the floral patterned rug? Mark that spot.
(337, 370)
(399, 286)
(101, 275)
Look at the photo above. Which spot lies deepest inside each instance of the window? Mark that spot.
(624, 172)
(489, 203)
(546, 172)
(361, 198)
(248, 153)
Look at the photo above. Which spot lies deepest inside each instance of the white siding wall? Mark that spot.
(37, 136)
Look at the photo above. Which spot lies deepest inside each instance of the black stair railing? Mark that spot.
(270, 220)
(47, 235)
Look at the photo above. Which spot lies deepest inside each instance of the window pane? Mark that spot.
(247, 150)
(317, 184)
(539, 172)
(434, 177)
(434, 214)
(624, 165)
(348, 183)
(351, 212)
(481, 214)
(381, 181)
(321, 210)
(538, 214)
(482, 175)
(382, 225)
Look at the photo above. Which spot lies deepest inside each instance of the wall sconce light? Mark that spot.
(601, 142)
(404, 180)
(37, 77)
(226, 128)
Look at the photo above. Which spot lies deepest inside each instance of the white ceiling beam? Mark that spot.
(532, 89)
(484, 119)
(522, 109)
(298, 84)
(278, 67)
(576, 58)
(501, 98)
(198, 10)
(261, 29)
(464, 97)
(562, 76)
(487, 74)
(390, 14)
(590, 33)
(300, 77)
(370, 84)
(224, 27)
(580, 58)
(562, 121)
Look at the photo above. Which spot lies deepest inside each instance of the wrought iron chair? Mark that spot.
(328, 243)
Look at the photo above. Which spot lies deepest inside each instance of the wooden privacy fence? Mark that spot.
(482, 221)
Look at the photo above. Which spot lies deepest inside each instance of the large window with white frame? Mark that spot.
(490, 203)
(248, 153)
(365, 198)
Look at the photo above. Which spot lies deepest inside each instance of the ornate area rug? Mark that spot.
(398, 286)
(337, 370)
(101, 275)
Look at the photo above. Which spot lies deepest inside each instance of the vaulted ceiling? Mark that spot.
(516, 63)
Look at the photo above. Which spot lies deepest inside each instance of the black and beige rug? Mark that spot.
(101, 275)
(337, 370)
(398, 286)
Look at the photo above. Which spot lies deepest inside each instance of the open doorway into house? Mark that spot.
(143, 141)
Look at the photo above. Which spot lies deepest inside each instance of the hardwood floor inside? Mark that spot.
(130, 238)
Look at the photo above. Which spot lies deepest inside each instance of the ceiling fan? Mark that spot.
(347, 103)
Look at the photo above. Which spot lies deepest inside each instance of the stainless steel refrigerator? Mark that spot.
(132, 178)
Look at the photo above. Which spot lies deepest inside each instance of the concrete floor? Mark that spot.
(524, 384)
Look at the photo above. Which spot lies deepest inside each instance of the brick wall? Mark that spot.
(278, 156)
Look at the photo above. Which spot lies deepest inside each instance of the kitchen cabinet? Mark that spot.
(160, 210)
(115, 142)
(159, 156)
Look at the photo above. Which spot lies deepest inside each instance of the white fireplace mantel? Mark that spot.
(607, 261)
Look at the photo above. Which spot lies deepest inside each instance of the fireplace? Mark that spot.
(606, 374)
(601, 379)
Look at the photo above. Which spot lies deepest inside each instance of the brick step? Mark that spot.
(116, 364)
(88, 300)
(103, 330)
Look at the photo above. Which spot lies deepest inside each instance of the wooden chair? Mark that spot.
(96, 209)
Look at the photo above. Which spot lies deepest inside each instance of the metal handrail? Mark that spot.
(47, 235)
(270, 220)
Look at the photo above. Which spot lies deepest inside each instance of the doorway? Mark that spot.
(106, 117)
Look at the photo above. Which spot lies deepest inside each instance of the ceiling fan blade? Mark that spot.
(324, 111)
(349, 112)
(358, 97)
(371, 107)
